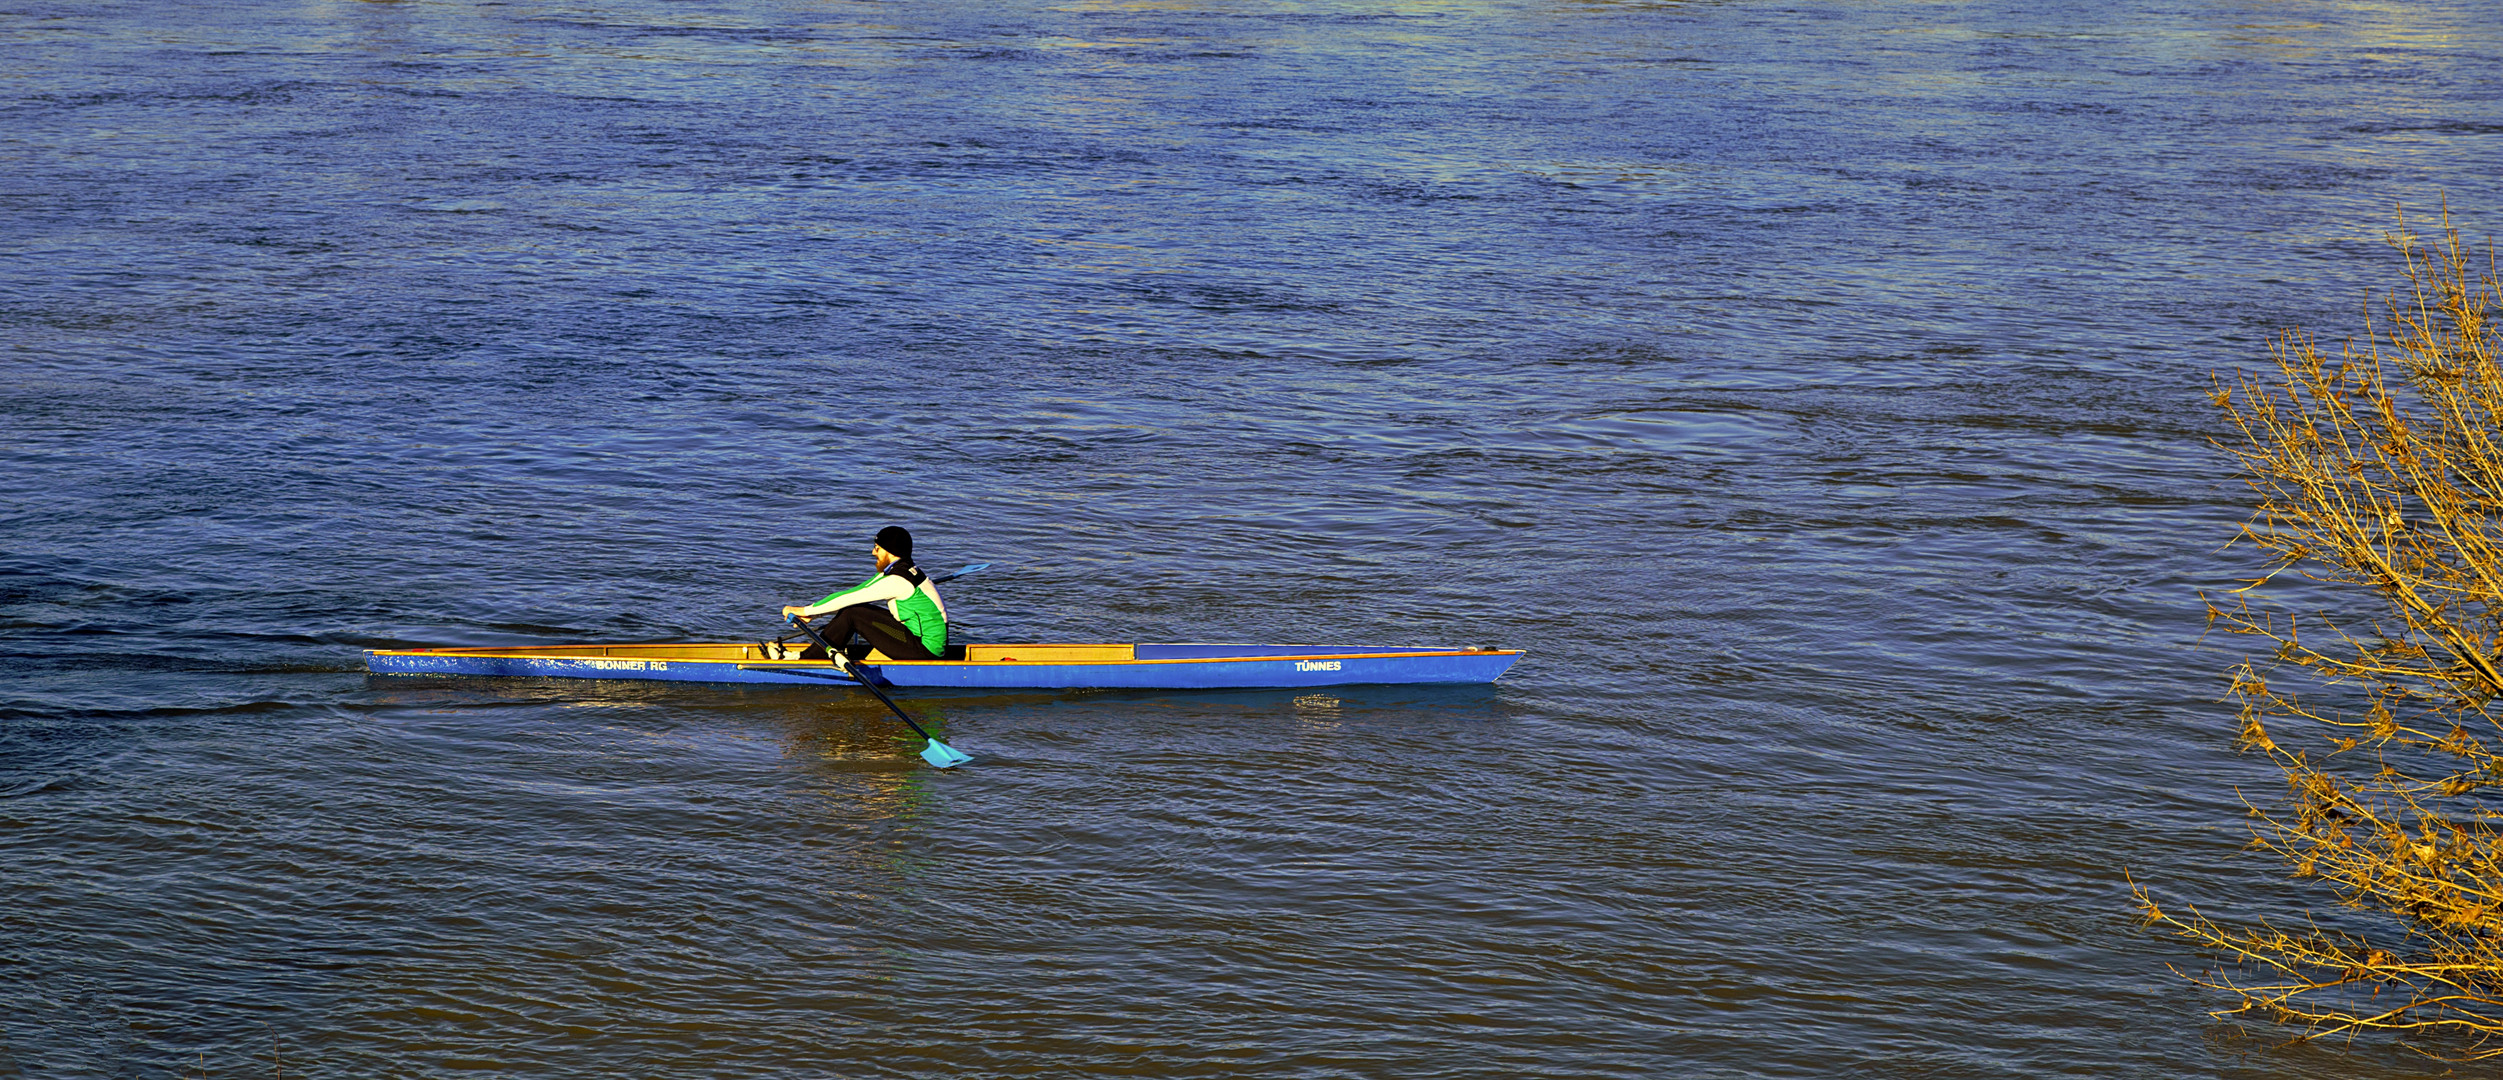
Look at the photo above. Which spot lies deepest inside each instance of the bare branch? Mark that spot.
(2379, 474)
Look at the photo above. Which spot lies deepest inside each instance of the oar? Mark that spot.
(969, 568)
(937, 753)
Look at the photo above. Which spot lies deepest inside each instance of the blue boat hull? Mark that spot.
(1155, 670)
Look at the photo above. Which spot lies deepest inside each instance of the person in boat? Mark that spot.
(896, 612)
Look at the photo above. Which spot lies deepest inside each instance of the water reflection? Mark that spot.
(867, 765)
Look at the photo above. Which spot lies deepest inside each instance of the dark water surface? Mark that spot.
(1815, 389)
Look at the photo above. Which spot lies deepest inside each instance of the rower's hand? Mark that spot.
(791, 612)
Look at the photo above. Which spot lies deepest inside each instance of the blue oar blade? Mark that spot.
(943, 756)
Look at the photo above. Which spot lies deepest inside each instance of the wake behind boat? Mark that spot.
(1176, 666)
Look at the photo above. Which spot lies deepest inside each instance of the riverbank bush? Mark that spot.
(2379, 616)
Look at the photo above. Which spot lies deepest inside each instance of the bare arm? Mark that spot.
(880, 589)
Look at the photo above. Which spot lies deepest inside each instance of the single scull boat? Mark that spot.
(1145, 666)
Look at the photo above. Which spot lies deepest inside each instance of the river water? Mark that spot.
(1815, 389)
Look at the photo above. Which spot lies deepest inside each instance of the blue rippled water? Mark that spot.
(1816, 390)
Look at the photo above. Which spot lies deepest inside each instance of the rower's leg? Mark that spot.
(838, 632)
(875, 628)
(889, 636)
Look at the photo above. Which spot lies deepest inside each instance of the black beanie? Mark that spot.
(897, 542)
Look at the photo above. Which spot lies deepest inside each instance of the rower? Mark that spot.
(911, 624)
